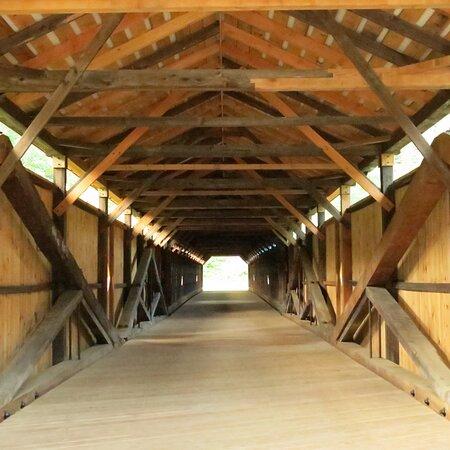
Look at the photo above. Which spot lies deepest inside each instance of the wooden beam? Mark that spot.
(182, 204)
(24, 198)
(18, 79)
(416, 344)
(405, 28)
(215, 122)
(384, 94)
(163, 235)
(227, 213)
(147, 38)
(408, 219)
(150, 215)
(128, 313)
(160, 55)
(106, 6)
(286, 235)
(160, 108)
(223, 183)
(297, 214)
(130, 198)
(55, 100)
(349, 168)
(23, 363)
(222, 166)
(215, 192)
(323, 309)
(365, 41)
(33, 31)
(348, 149)
(314, 193)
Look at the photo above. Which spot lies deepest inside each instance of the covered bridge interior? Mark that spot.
(141, 138)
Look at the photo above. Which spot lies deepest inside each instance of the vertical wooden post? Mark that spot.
(103, 250)
(320, 216)
(128, 237)
(111, 290)
(386, 164)
(344, 279)
(345, 197)
(59, 350)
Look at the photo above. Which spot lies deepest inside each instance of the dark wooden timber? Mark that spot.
(128, 314)
(442, 288)
(219, 122)
(344, 39)
(323, 309)
(221, 183)
(58, 95)
(184, 203)
(103, 274)
(365, 41)
(219, 151)
(24, 289)
(59, 347)
(33, 31)
(160, 55)
(35, 80)
(410, 30)
(23, 363)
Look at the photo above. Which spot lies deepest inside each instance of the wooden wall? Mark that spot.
(180, 276)
(428, 261)
(366, 232)
(21, 264)
(268, 276)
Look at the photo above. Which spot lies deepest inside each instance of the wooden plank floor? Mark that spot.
(226, 371)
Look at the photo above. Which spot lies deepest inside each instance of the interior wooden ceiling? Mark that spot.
(270, 40)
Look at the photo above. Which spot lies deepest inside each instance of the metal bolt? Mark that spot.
(427, 401)
(443, 412)
(412, 392)
(6, 415)
(22, 404)
(36, 395)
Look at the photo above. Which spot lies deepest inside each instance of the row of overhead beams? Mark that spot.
(234, 54)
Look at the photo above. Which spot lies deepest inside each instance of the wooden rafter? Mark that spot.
(380, 89)
(33, 31)
(407, 29)
(332, 153)
(118, 151)
(57, 97)
(364, 40)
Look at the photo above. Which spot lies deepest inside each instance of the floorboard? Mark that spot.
(226, 371)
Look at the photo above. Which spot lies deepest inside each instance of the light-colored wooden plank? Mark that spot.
(106, 6)
(420, 349)
(22, 365)
(257, 373)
